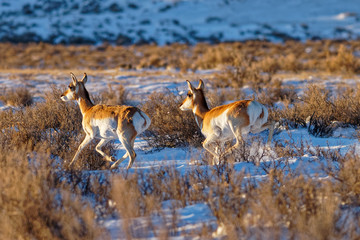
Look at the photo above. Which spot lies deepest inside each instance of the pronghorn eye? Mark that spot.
(189, 94)
(72, 88)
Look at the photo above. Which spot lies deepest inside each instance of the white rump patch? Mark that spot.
(254, 111)
(139, 122)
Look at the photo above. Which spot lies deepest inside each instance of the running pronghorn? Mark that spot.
(106, 122)
(226, 122)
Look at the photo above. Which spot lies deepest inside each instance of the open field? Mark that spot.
(306, 186)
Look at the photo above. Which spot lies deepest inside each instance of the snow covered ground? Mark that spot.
(192, 217)
(167, 21)
(187, 21)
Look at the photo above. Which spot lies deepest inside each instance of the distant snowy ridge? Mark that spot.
(167, 21)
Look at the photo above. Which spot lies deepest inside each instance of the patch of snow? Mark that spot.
(193, 217)
(184, 21)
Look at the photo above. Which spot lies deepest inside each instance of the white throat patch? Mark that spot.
(196, 118)
(69, 96)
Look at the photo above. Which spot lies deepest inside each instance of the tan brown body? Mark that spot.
(226, 122)
(106, 122)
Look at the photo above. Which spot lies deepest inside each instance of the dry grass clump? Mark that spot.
(241, 75)
(170, 127)
(114, 97)
(40, 200)
(208, 56)
(19, 97)
(143, 195)
(53, 126)
(281, 205)
(290, 63)
(343, 62)
(36, 205)
(323, 111)
(276, 92)
(264, 57)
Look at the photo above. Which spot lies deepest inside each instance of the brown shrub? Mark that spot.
(53, 126)
(144, 193)
(265, 56)
(290, 63)
(343, 62)
(280, 205)
(170, 127)
(245, 74)
(268, 64)
(323, 108)
(114, 97)
(36, 205)
(19, 97)
(275, 92)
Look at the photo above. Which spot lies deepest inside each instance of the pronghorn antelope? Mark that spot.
(106, 122)
(226, 122)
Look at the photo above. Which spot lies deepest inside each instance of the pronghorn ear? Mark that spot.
(74, 79)
(201, 85)
(191, 88)
(84, 80)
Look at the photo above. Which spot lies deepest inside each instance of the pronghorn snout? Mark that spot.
(181, 106)
(186, 104)
(64, 97)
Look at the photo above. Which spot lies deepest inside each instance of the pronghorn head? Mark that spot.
(75, 89)
(195, 96)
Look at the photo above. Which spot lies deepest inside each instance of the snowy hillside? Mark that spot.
(167, 21)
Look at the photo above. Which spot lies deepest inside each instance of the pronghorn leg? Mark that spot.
(268, 125)
(119, 161)
(129, 146)
(271, 132)
(131, 152)
(220, 145)
(206, 145)
(98, 149)
(237, 131)
(239, 140)
(85, 142)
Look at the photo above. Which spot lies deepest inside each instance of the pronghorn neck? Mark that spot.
(84, 101)
(200, 109)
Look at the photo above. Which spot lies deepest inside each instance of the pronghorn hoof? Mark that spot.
(215, 161)
(114, 165)
(112, 159)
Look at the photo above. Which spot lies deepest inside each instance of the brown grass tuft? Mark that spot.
(36, 205)
(170, 127)
(20, 97)
(114, 97)
(52, 125)
(344, 62)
